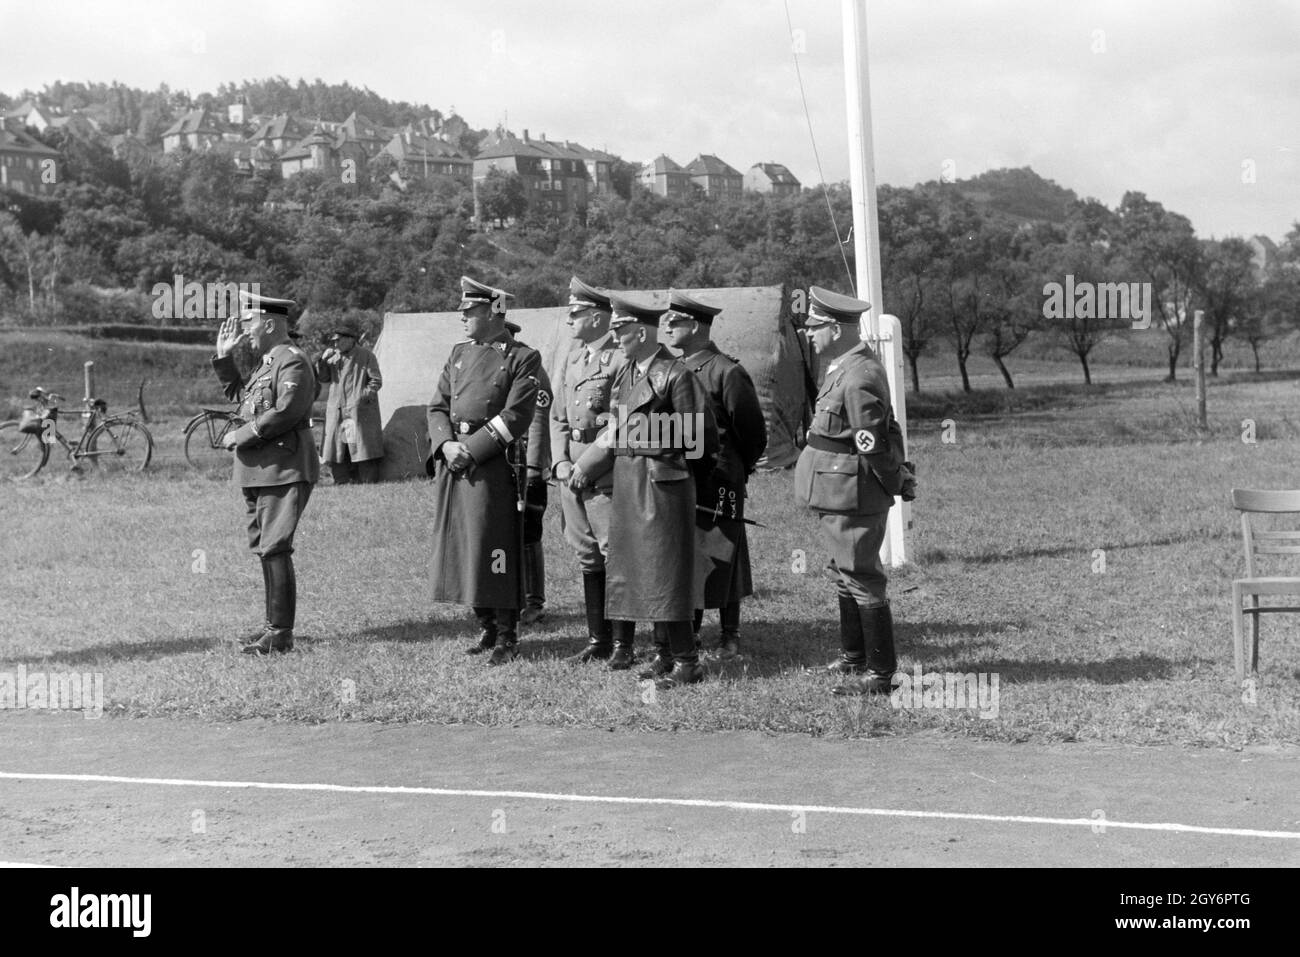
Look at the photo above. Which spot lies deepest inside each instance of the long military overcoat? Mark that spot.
(650, 574)
(722, 556)
(486, 399)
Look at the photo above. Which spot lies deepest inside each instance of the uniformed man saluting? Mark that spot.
(275, 455)
(582, 405)
(722, 557)
(483, 406)
(651, 569)
(849, 473)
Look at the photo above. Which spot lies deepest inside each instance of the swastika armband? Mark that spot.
(864, 440)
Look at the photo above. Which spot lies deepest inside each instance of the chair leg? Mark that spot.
(1255, 626)
(1237, 656)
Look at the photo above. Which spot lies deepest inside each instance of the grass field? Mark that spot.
(143, 578)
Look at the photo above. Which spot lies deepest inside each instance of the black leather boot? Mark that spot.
(282, 590)
(600, 640)
(534, 584)
(254, 636)
(853, 655)
(881, 661)
(686, 660)
(624, 645)
(487, 631)
(507, 646)
(662, 662)
(729, 640)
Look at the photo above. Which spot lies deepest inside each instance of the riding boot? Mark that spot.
(599, 631)
(254, 636)
(686, 659)
(487, 635)
(697, 622)
(729, 640)
(853, 655)
(282, 592)
(624, 638)
(662, 663)
(507, 647)
(881, 661)
(534, 584)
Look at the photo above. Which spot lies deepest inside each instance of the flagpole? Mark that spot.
(882, 331)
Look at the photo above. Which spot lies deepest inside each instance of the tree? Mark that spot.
(910, 238)
(502, 196)
(1272, 308)
(1161, 248)
(1224, 287)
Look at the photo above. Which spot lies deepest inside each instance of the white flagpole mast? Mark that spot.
(881, 331)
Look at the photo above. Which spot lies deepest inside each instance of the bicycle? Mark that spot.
(205, 437)
(114, 443)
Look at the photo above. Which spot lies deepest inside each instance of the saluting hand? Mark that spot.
(229, 336)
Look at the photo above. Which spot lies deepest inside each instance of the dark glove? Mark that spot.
(908, 491)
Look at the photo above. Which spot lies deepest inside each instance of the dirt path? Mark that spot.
(904, 784)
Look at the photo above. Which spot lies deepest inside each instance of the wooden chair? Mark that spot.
(1261, 542)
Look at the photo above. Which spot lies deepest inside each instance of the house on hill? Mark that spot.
(196, 129)
(371, 137)
(772, 178)
(664, 177)
(716, 178)
(278, 133)
(427, 157)
(323, 151)
(25, 160)
(1263, 253)
(554, 173)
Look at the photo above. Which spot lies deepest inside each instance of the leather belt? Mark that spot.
(584, 435)
(824, 444)
(465, 428)
(643, 451)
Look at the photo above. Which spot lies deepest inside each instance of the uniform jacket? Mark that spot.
(354, 389)
(582, 401)
(650, 573)
(853, 462)
(742, 429)
(275, 445)
(486, 398)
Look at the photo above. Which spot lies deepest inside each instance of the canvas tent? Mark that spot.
(756, 326)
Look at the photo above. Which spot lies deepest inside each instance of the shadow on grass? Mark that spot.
(1111, 671)
(934, 555)
(465, 629)
(131, 651)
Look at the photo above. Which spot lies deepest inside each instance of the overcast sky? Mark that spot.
(1180, 100)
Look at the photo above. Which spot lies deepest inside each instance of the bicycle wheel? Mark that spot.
(119, 445)
(203, 449)
(22, 454)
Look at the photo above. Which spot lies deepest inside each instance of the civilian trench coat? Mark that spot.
(354, 386)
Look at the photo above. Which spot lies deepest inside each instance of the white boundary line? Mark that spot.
(1097, 824)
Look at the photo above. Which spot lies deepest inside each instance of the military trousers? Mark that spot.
(854, 542)
(584, 516)
(273, 512)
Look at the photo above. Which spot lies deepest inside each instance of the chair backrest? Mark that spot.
(1266, 542)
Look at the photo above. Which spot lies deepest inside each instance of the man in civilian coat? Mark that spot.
(722, 559)
(354, 432)
(482, 409)
(656, 464)
(275, 455)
